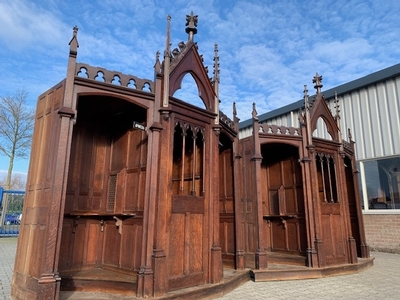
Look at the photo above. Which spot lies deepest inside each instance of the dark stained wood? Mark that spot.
(153, 209)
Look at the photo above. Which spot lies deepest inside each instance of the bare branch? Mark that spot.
(16, 128)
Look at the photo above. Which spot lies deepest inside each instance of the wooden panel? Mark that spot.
(131, 245)
(137, 149)
(290, 201)
(226, 188)
(183, 204)
(193, 236)
(136, 171)
(284, 184)
(176, 245)
(227, 234)
(38, 236)
(186, 245)
(287, 171)
(100, 171)
(134, 190)
(278, 235)
(66, 242)
(79, 244)
(333, 236)
(93, 239)
(292, 235)
(119, 153)
(186, 250)
(111, 237)
(88, 170)
(275, 175)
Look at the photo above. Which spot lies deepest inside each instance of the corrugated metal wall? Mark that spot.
(372, 113)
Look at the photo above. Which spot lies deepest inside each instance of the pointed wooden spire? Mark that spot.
(337, 118)
(167, 62)
(216, 78)
(337, 106)
(306, 103)
(167, 51)
(307, 115)
(216, 70)
(191, 23)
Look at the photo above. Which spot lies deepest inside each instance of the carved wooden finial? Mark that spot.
(349, 134)
(157, 65)
(254, 112)
(191, 23)
(317, 80)
(73, 43)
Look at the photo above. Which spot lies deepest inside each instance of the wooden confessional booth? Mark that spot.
(300, 201)
(131, 190)
(124, 193)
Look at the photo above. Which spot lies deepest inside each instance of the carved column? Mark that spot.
(261, 236)
(216, 266)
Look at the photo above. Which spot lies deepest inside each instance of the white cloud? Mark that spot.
(268, 50)
(24, 24)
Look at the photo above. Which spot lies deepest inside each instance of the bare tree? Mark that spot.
(18, 182)
(16, 127)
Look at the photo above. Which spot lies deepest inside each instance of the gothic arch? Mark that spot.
(183, 89)
(321, 110)
(191, 62)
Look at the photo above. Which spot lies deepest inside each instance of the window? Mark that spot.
(381, 184)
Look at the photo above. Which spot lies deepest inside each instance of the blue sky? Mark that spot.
(268, 49)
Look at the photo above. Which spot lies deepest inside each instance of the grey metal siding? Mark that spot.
(372, 113)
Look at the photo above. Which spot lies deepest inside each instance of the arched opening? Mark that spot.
(189, 92)
(103, 224)
(321, 130)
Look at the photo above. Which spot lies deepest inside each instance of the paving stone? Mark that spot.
(382, 281)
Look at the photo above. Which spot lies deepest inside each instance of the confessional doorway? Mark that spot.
(283, 199)
(103, 217)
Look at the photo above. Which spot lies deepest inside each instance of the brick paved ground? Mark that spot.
(382, 281)
(7, 255)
